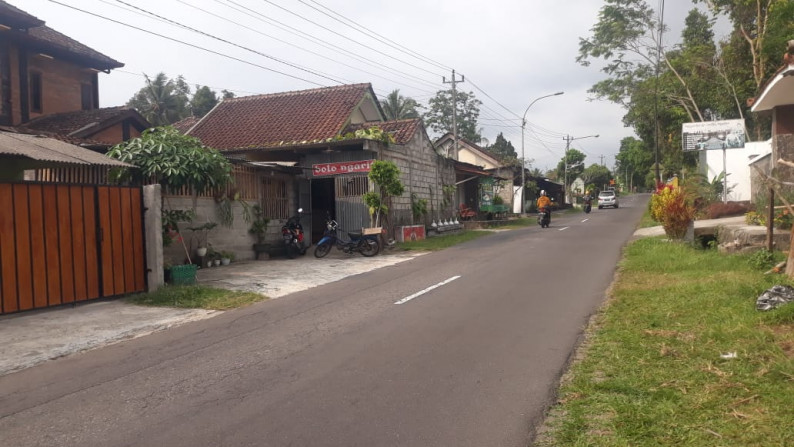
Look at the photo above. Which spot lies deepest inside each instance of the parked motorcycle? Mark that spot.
(544, 217)
(292, 233)
(367, 245)
(588, 204)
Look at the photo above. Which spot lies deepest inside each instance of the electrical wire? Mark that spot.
(187, 43)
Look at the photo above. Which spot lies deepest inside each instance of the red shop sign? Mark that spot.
(347, 167)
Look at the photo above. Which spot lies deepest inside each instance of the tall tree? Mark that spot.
(635, 161)
(502, 149)
(596, 176)
(162, 101)
(397, 106)
(203, 101)
(575, 165)
(439, 115)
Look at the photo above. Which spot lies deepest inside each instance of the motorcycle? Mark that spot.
(588, 204)
(367, 245)
(544, 217)
(292, 233)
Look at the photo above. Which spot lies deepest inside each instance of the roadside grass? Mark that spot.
(653, 369)
(442, 242)
(196, 297)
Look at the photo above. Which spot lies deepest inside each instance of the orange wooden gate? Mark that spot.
(62, 243)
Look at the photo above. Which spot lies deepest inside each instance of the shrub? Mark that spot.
(673, 209)
(783, 219)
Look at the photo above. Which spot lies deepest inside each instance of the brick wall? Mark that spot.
(61, 84)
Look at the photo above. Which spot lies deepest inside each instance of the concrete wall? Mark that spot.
(738, 168)
(153, 235)
(424, 173)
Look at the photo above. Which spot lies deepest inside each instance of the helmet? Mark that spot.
(543, 192)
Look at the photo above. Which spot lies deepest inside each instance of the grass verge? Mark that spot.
(442, 242)
(658, 366)
(196, 297)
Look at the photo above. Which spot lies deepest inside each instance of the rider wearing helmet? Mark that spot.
(543, 200)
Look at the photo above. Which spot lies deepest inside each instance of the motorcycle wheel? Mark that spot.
(321, 250)
(369, 247)
(292, 251)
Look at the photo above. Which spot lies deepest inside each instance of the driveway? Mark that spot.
(30, 338)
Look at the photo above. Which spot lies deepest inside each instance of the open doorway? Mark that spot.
(323, 205)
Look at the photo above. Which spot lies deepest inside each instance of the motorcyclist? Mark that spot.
(544, 204)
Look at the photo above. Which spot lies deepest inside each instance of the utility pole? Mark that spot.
(454, 81)
(568, 140)
(602, 159)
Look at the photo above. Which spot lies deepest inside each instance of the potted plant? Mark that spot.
(209, 258)
(201, 233)
(259, 229)
(227, 257)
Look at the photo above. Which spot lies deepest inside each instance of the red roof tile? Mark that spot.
(56, 40)
(77, 127)
(402, 130)
(281, 119)
(185, 124)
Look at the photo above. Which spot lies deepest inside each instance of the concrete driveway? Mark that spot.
(30, 338)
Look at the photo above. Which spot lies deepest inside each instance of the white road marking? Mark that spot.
(585, 220)
(422, 292)
(563, 228)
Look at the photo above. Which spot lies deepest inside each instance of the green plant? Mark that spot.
(386, 176)
(418, 207)
(762, 259)
(170, 224)
(783, 219)
(498, 200)
(201, 233)
(673, 208)
(259, 223)
(230, 255)
(448, 192)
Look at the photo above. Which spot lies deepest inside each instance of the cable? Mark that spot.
(379, 37)
(290, 64)
(186, 43)
(348, 38)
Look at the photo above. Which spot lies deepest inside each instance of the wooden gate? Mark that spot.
(62, 243)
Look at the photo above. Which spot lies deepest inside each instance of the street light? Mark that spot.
(568, 140)
(523, 160)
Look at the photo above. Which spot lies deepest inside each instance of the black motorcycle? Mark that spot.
(292, 233)
(544, 217)
(588, 204)
(367, 245)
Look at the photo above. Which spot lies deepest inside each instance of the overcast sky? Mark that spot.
(510, 52)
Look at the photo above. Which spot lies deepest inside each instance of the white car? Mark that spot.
(607, 198)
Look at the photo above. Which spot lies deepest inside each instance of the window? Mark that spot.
(87, 96)
(35, 93)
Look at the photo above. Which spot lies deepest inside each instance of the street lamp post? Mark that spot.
(523, 160)
(568, 140)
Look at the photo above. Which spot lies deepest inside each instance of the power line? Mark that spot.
(348, 38)
(262, 18)
(187, 43)
(181, 25)
(376, 36)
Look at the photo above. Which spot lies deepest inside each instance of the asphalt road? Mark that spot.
(470, 357)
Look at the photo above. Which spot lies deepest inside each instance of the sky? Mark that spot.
(508, 52)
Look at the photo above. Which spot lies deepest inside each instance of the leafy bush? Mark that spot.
(783, 219)
(673, 208)
(762, 259)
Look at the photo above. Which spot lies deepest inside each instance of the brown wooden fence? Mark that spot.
(62, 243)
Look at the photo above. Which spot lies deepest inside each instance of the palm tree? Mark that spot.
(397, 106)
(162, 101)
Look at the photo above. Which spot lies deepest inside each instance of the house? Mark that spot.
(51, 88)
(492, 177)
(776, 98)
(328, 137)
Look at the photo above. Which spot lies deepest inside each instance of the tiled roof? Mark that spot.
(52, 38)
(18, 17)
(41, 148)
(81, 122)
(280, 119)
(402, 130)
(185, 124)
(32, 30)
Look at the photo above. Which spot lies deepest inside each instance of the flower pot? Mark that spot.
(201, 251)
(209, 263)
(217, 262)
(225, 261)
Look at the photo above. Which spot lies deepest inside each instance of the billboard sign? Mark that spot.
(348, 167)
(709, 135)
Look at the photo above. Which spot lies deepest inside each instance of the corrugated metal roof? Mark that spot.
(42, 148)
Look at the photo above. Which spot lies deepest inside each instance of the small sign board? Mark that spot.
(709, 135)
(339, 168)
